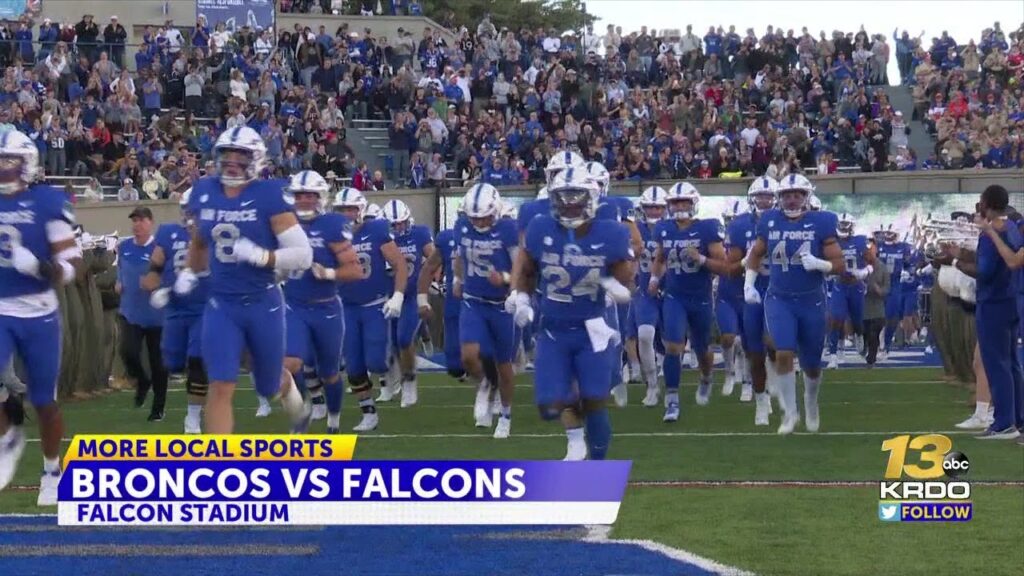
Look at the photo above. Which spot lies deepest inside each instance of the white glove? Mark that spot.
(24, 261)
(393, 307)
(423, 301)
(523, 311)
(927, 270)
(811, 262)
(750, 293)
(614, 289)
(246, 251)
(906, 276)
(322, 273)
(862, 273)
(185, 282)
(159, 298)
(510, 301)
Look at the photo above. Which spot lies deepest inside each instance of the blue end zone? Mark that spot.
(395, 551)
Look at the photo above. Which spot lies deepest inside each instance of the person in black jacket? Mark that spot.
(114, 36)
(86, 33)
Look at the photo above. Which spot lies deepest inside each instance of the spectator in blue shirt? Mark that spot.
(415, 9)
(713, 42)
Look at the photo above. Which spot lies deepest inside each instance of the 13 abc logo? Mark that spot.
(955, 464)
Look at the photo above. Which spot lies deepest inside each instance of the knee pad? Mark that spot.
(359, 383)
(14, 409)
(196, 382)
(456, 373)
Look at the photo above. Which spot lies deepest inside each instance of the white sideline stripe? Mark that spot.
(487, 436)
(825, 383)
(599, 535)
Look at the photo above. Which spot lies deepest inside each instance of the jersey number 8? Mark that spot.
(224, 238)
(10, 237)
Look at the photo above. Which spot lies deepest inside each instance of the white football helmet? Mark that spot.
(814, 203)
(373, 211)
(846, 225)
(574, 197)
(509, 210)
(542, 194)
(561, 162)
(732, 211)
(19, 162)
(309, 181)
(796, 183)
(679, 192)
(480, 203)
(600, 175)
(397, 213)
(186, 216)
(763, 194)
(348, 199)
(247, 141)
(653, 204)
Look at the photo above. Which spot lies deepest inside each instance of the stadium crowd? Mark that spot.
(496, 104)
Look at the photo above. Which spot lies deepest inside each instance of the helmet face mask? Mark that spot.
(572, 206)
(844, 229)
(482, 223)
(308, 204)
(681, 208)
(653, 212)
(793, 202)
(235, 166)
(11, 167)
(351, 204)
(761, 202)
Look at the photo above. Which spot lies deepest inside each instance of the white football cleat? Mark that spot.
(762, 409)
(12, 445)
(193, 425)
(703, 395)
(730, 383)
(833, 361)
(671, 412)
(747, 392)
(48, 489)
(928, 349)
(789, 422)
(319, 408)
(883, 355)
(974, 423)
(264, 409)
(651, 398)
(575, 450)
(811, 416)
(410, 394)
(368, 423)
(503, 429)
(390, 388)
(620, 395)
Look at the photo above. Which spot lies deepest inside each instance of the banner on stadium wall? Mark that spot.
(237, 13)
(870, 211)
(13, 9)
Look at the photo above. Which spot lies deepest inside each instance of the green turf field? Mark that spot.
(767, 529)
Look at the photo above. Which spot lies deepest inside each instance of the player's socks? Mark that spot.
(576, 444)
(787, 397)
(833, 341)
(297, 411)
(410, 392)
(762, 409)
(367, 406)
(729, 364)
(673, 372)
(772, 380)
(704, 390)
(811, 416)
(889, 334)
(333, 394)
(333, 423)
(49, 482)
(193, 419)
(599, 433)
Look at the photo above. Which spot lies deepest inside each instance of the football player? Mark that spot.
(180, 342)
(440, 265)
(801, 248)
(314, 322)
(891, 253)
(37, 253)
(487, 245)
(574, 259)
(370, 302)
(246, 232)
(645, 312)
(762, 196)
(729, 317)
(415, 243)
(689, 251)
(847, 297)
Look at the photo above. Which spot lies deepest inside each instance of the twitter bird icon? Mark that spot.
(889, 512)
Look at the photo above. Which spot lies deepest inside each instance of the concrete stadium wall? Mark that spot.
(107, 217)
(381, 26)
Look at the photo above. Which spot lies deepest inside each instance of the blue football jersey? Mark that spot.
(742, 232)
(911, 263)
(681, 275)
(570, 268)
(617, 208)
(376, 284)
(23, 219)
(411, 246)
(173, 240)
(324, 230)
(786, 240)
(646, 256)
(445, 244)
(892, 256)
(222, 221)
(854, 248)
(482, 252)
(529, 210)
